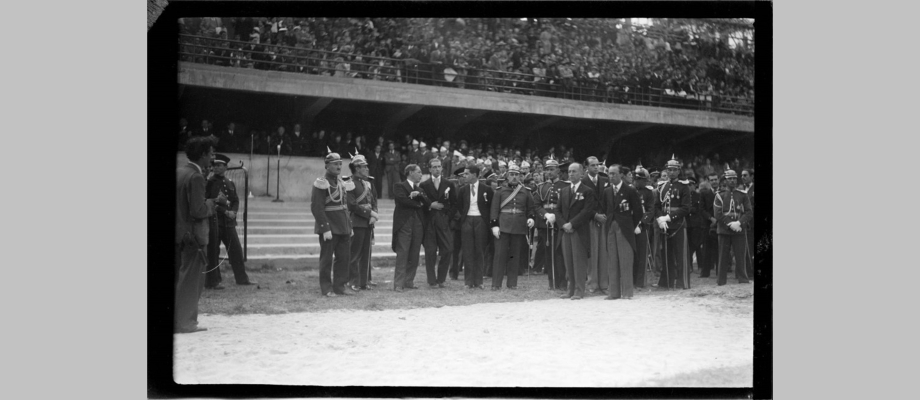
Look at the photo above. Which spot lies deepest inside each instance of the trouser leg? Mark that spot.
(414, 248)
(188, 281)
(231, 241)
(639, 260)
(213, 278)
(500, 262)
(357, 266)
(515, 262)
(724, 258)
(445, 251)
(403, 242)
(342, 251)
(567, 252)
(739, 244)
(326, 251)
(457, 254)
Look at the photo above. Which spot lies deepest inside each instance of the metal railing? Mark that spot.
(569, 86)
(239, 175)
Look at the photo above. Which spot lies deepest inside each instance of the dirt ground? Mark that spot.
(587, 343)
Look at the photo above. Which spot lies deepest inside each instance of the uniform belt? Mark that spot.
(549, 207)
(334, 208)
(513, 211)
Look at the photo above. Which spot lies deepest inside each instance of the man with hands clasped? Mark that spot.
(732, 210)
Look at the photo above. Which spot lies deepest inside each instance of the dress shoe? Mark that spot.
(467, 287)
(330, 294)
(411, 287)
(344, 293)
(495, 289)
(603, 291)
(192, 330)
(371, 283)
(433, 285)
(576, 297)
(218, 287)
(399, 290)
(565, 296)
(482, 287)
(247, 283)
(592, 290)
(610, 298)
(354, 288)
(512, 288)
(442, 286)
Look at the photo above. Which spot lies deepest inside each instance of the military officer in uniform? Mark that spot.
(546, 200)
(224, 227)
(512, 215)
(711, 239)
(643, 229)
(328, 204)
(733, 212)
(672, 205)
(362, 209)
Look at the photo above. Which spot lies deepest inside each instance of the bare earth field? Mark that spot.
(457, 337)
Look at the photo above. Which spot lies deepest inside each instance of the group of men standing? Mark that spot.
(594, 232)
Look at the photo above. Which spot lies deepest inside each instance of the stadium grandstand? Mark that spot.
(701, 64)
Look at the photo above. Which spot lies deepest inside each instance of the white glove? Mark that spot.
(496, 232)
(328, 235)
(550, 218)
(665, 218)
(375, 215)
(638, 230)
(735, 226)
(530, 222)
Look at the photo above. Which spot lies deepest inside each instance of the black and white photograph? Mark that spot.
(466, 202)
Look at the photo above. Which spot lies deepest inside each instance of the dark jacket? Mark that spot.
(406, 207)
(578, 208)
(729, 207)
(446, 195)
(484, 196)
(360, 210)
(327, 196)
(625, 208)
(673, 199)
(602, 183)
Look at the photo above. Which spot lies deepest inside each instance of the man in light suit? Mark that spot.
(623, 208)
(578, 206)
(475, 201)
(597, 263)
(408, 227)
(438, 236)
(192, 230)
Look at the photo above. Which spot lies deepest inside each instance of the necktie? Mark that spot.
(615, 191)
(474, 192)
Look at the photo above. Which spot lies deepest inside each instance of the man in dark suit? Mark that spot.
(475, 201)
(375, 166)
(623, 209)
(456, 262)
(747, 177)
(231, 140)
(408, 227)
(597, 271)
(578, 207)
(391, 168)
(672, 205)
(299, 142)
(192, 230)
(697, 225)
(438, 237)
(708, 192)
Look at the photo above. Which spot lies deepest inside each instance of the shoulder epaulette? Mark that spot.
(320, 183)
(649, 187)
(741, 190)
(349, 185)
(685, 182)
(370, 178)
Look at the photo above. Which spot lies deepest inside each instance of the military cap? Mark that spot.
(673, 163)
(502, 163)
(220, 158)
(422, 144)
(655, 172)
(458, 154)
(358, 159)
(730, 174)
(332, 157)
(414, 141)
(525, 164)
(551, 162)
(488, 174)
(459, 171)
(641, 173)
(443, 149)
(514, 168)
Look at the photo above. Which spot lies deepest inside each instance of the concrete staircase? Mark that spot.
(285, 231)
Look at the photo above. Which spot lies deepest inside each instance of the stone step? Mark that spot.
(299, 230)
(299, 238)
(301, 249)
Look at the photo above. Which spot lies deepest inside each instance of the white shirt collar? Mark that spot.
(197, 166)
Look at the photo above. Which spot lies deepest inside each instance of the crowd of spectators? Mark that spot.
(295, 142)
(606, 60)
